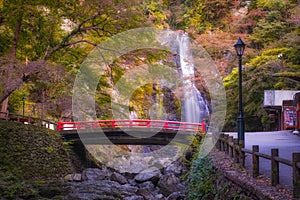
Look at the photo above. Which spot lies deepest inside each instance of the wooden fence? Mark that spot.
(28, 120)
(231, 146)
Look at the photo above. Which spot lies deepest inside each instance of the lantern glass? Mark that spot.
(239, 47)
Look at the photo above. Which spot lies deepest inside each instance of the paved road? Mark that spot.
(285, 141)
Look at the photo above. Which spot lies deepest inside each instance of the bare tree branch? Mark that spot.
(67, 38)
(79, 41)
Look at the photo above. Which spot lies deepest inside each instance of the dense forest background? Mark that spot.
(43, 44)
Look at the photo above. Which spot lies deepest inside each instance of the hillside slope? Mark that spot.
(31, 158)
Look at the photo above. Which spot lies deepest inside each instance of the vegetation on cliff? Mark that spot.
(31, 158)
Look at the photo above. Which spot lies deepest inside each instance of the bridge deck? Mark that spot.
(130, 131)
(129, 136)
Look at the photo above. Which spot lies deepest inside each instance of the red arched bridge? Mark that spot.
(124, 131)
(130, 131)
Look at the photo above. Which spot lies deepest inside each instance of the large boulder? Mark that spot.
(147, 193)
(101, 189)
(176, 168)
(152, 174)
(118, 178)
(147, 184)
(176, 196)
(73, 177)
(169, 183)
(94, 174)
(135, 197)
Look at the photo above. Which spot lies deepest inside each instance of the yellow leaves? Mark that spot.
(276, 51)
(104, 16)
(268, 56)
(231, 78)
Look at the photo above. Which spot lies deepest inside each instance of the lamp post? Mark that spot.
(240, 47)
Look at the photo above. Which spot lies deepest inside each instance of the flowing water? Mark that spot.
(195, 107)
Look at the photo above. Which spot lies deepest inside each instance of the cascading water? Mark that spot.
(195, 105)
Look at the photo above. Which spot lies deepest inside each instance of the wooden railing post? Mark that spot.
(226, 143)
(221, 138)
(236, 150)
(274, 167)
(218, 143)
(296, 175)
(230, 150)
(242, 153)
(255, 161)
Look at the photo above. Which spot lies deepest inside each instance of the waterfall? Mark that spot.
(195, 106)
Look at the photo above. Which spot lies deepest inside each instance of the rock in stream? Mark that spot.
(106, 184)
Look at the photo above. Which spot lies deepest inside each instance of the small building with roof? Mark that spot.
(283, 109)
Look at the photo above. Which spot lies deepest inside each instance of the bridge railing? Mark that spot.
(28, 120)
(130, 123)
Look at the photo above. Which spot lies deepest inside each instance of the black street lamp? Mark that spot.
(240, 47)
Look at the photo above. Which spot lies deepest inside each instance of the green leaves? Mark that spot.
(267, 32)
(271, 70)
(201, 179)
(156, 12)
(272, 4)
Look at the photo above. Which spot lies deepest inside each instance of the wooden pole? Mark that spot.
(242, 154)
(236, 150)
(226, 143)
(296, 175)
(221, 141)
(255, 161)
(230, 150)
(274, 167)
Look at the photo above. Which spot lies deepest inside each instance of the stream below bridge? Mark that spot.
(152, 183)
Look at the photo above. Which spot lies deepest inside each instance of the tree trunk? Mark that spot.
(4, 108)
(14, 53)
